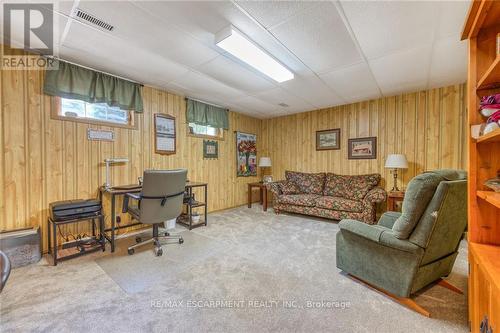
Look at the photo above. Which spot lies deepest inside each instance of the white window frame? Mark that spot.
(218, 136)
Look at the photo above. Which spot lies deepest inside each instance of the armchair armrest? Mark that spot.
(126, 197)
(376, 195)
(274, 187)
(388, 218)
(378, 234)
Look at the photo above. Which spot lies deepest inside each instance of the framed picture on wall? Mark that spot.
(362, 148)
(210, 149)
(246, 154)
(165, 134)
(328, 139)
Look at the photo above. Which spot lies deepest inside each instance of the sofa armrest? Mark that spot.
(275, 188)
(376, 195)
(378, 234)
(388, 218)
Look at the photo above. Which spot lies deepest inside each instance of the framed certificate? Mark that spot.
(165, 134)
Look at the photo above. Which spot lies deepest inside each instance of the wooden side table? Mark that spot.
(392, 198)
(263, 194)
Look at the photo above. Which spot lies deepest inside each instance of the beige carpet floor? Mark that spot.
(248, 271)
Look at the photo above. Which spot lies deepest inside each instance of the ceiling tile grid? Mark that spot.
(340, 51)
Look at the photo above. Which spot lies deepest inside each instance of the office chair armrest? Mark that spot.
(126, 199)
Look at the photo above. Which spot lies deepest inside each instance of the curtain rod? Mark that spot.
(199, 100)
(93, 69)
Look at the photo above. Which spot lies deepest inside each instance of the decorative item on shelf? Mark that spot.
(210, 149)
(328, 139)
(490, 108)
(246, 154)
(265, 162)
(494, 183)
(165, 134)
(362, 148)
(108, 162)
(395, 162)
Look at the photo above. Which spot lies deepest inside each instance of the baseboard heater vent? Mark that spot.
(89, 18)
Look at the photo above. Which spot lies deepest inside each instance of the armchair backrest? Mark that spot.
(444, 220)
(162, 183)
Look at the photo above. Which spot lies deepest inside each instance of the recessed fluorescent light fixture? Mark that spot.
(234, 42)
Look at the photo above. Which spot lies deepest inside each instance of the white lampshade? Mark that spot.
(396, 161)
(265, 162)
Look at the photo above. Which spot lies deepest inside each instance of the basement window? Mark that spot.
(94, 113)
(205, 131)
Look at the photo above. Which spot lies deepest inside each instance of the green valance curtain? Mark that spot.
(206, 114)
(75, 82)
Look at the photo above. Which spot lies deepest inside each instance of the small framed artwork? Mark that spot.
(165, 134)
(328, 139)
(210, 149)
(362, 148)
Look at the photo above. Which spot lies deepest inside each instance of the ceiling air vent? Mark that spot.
(284, 105)
(89, 18)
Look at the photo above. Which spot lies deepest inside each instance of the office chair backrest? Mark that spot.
(445, 218)
(162, 183)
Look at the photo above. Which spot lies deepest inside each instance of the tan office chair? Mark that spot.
(160, 200)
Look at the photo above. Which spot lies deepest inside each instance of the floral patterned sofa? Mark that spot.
(328, 195)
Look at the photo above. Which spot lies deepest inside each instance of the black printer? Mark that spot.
(74, 209)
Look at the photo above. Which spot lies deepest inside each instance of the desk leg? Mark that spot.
(249, 196)
(101, 233)
(264, 191)
(206, 205)
(113, 217)
(49, 244)
(261, 195)
(54, 249)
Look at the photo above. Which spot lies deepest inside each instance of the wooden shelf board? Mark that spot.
(492, 75)
(490, 196)
(488, 257)
(490, 137)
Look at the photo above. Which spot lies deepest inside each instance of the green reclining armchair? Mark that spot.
(407, 251)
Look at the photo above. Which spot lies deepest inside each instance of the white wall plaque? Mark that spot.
(100, 135)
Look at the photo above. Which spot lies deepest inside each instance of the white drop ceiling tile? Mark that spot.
(319, 38)
(278, 95)
(233, 74)
(254, 104)
(383, 27)
(452, 17)
(207, 86)
(404, 71)
(93, 44)
(353, 83)
(446, 69)
(270, 13)
(138, 27)
(313, 90)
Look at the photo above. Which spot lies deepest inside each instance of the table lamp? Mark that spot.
(108, 162)
(395, 162)
(265, 162)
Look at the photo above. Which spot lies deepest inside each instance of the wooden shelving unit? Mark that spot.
(481, 30)
(490, 137)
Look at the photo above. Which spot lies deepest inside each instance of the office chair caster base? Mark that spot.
(158, 251)
(181, 240)
(130, 252)
(138, 239)
(167, 234)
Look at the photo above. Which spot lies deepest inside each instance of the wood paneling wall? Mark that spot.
(44, 160)
(429, 127)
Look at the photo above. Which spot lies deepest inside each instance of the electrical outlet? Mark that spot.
(118, 219)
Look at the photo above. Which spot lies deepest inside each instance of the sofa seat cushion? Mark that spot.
(350, 187)
(310, 183)
(342, 204)
(307, 200)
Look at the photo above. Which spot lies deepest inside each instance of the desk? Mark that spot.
(117, 191)
(263, 194)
